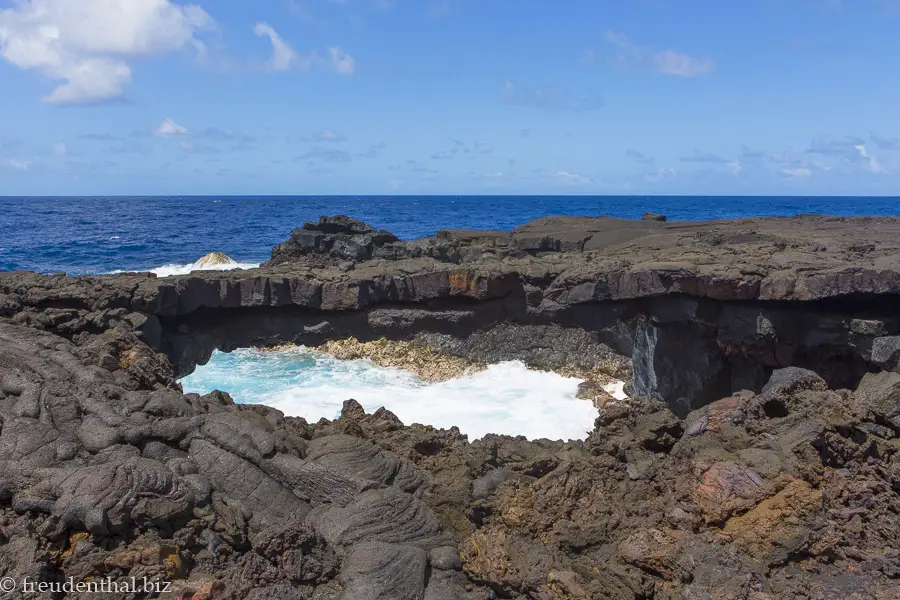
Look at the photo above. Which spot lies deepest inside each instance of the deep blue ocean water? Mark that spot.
(98, 235)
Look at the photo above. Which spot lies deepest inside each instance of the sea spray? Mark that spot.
(505, 398)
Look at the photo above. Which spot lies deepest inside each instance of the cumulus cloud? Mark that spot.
(666, 62)
(851, 149)
(285, 58)
(88, 45)
(170, 128)
(283, 55)
(19, 165)
(341, 62)
(869, 161)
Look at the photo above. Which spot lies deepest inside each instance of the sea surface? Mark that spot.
(167, 235)
(99, 235)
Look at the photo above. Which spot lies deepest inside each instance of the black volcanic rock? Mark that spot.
(338, 238)
(108, 470)
(701, 309)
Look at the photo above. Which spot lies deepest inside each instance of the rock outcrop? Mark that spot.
(735, 472)
(701, 310)
(790, 493)
(213, 259)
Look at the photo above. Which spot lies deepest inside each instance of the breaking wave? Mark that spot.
(506, 398)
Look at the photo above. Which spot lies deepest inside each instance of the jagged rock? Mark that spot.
(886, 352)
(780, 526)
(788, 490)
(730, 488)
(777, 397)
(719, 304)
(656, 551)
(879, 394)
(340, 238)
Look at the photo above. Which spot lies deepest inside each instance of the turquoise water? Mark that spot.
(506, 398)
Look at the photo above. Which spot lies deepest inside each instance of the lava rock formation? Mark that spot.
(758, 458)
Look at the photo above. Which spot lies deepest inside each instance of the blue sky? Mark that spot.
(449, 97)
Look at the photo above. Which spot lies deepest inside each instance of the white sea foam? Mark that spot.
(616, 389)
(166, 270)
(172, 269)
(506, 398)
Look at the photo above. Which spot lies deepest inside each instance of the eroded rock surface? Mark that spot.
(791, 493)
(700, 309)
(735, 472)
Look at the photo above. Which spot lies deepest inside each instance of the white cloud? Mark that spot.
(59, 149)
(285, 58)
(18, 164)
(571, 178)
(283, 55)
(329, 135)
(88, 44)
(341, 62)
(494, 175)
(672, 62)
(735, 166)
(662, 174)
(871, 162)
(666, 62)
(798, 173)
(483, 148)
(170, 128)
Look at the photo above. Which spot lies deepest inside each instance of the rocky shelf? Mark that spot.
(757, 459)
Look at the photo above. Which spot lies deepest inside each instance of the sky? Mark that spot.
(146, 97)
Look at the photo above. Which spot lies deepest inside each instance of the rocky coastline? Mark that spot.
(757, 459)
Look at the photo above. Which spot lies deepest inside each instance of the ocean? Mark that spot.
(100, 235)
(167, 235)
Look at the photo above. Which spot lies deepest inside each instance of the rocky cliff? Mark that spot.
(701, 309)
(758, 458)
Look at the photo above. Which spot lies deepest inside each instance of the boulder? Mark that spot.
(886, 352)
(337, 238)
(213, 259)
(879, 395)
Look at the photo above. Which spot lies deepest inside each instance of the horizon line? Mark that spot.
(250, 196)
